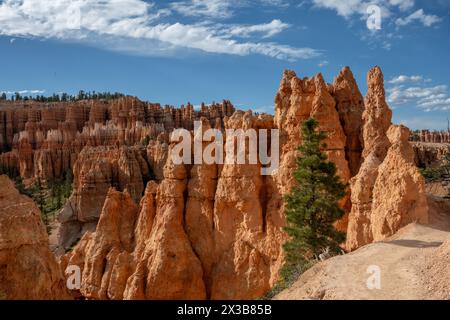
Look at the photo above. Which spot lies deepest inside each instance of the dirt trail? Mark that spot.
(403, 261)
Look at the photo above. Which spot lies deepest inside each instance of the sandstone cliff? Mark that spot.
(95, 171)
(429, 155)
(44, 139)
(28, 270)
(195, 235)
(431, 136)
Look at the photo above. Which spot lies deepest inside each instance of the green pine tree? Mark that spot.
(67, 184)
(20, 186)
(312, 206)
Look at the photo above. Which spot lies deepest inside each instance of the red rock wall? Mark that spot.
(28, 270)
(45, 139)
(431, 136)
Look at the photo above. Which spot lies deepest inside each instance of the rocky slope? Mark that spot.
(413, 264)
(28, 270)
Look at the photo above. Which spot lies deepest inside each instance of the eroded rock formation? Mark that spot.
(388, 192)
(28, 270)
(350, 106)
(196, 235)
(44, 139)
(430, 155)
(428, 136)
(227, 219)
(298, 100)
(96, 170)
(208, 231)
(399, 192)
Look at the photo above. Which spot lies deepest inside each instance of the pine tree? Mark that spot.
(312, 206)
(20, 186)
(39, 198)
(146, 141)
(67, 184)
(58, 196)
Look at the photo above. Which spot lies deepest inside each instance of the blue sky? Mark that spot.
(177, 51)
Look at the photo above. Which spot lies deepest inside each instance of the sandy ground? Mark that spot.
(407, 263)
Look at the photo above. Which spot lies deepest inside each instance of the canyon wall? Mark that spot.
(431, 136)
(44, 139)
(95, 171)
(430, 155)
(28, 270)
(216, 231)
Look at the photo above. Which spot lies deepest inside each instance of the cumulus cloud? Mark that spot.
(426, 19)
(427, 98)
(135, 26)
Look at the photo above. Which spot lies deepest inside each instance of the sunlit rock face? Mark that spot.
(144, 227)
(28, 270)
(44, 139)
(389, 191)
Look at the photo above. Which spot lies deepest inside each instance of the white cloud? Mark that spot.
(220, 9)
(427, 98)
(343, 8)
(426, 19)
(391, 18)
(209, 8)
(267, 29)
(350, 8)
(404, 79)
(323, 63)
(135, 26)
(402, 4)
(276, 3)
(23, 92)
